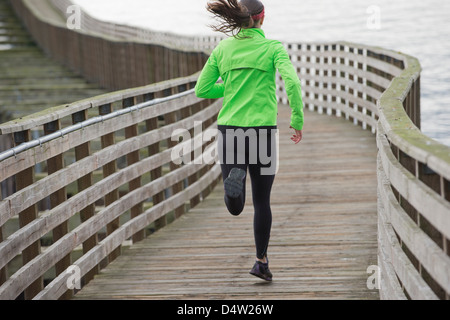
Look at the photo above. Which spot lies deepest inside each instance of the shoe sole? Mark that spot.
(234, 184)
(261, 276)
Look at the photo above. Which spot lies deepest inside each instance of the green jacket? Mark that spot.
(248, 67)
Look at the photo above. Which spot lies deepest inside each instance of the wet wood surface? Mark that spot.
(324, 233)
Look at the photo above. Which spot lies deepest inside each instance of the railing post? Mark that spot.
(23, 180)
(208, 189)
(109, 169)
(185, 113)
(53, 165)
(192, 179)
(132, 158)
(5, 189)
(152, 124)
(2, 270)
(81, 152)
(417, 118)
(170, 119)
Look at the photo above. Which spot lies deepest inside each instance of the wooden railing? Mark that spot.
(91, 25)
(108, 177)
(85, 178)
(380, 90)
(414, 197)
(375, 88)
(136, 62)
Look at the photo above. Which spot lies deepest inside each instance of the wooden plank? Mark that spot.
(320, 246)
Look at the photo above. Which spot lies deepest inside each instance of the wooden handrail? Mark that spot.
(379, 89)
(96, 27)
(91, 54)
(94, 193)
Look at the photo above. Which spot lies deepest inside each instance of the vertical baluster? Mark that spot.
(183, 64)
(207, 124)
(23, 180)
(446, 190)
(55, 164)
(3, 271)
(445, 193)
(159, 64)
(138, 65)
(132, 158)
(166, 63)
(192, 179)
(417, 118)
(6, 188)
(108, 169)
(152, 124)
(204, 104)
(81, 152)
(150, 52)
(185, 113)
(170, 119)
(170, 64)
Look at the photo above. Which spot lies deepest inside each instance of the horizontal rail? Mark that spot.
(99, 119)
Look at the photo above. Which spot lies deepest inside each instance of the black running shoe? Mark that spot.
(234, 184)
(261, 270)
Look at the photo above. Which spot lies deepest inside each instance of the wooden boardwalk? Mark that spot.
(30, 81)
(323, 236)
(71, 190)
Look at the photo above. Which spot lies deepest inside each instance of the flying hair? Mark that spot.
(233, 15)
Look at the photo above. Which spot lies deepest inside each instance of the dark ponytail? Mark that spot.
(233, 16)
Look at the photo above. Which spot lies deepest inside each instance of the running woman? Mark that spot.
(247, 63)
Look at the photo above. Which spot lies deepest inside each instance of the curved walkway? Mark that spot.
(323, 237)
(30, 81)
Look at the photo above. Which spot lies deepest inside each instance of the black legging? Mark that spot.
(257, 156)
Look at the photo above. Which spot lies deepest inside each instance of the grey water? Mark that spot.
(420, 28)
